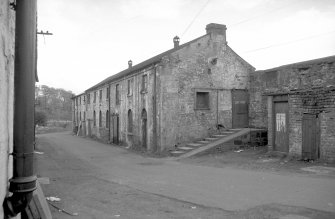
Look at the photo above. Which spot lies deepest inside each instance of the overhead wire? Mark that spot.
(195, 17)
(289, 42)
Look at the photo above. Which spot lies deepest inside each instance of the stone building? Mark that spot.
(296, 103)
(178, 96)
(7, 33)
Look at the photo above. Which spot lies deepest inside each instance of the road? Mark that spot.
(227, 188)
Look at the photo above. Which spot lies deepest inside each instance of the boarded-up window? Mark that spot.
(202, 100)
(95, 97)
(107, 93)
(100, 95)
(117, 94)
(88, 98)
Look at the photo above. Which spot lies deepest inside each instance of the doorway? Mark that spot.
(240, 102)
(144, 128)
(280, 121)
(310, 137)
(116, 127)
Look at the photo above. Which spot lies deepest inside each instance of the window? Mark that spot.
(94, 119)
(95, 97)
(107, 93)
(88, 98)
(202, 100)
(130, 121)
(107, 119)
(100, 119)
(130, 87)
(100, 95)
(79, 100)
(144, 83)
(84, 99)
(117, 94)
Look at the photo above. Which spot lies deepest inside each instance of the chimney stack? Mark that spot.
(216, 29)
(130, 64)
(176, 41)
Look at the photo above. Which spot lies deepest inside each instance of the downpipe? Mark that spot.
(23, 182)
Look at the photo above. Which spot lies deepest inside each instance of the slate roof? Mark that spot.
(302, 64)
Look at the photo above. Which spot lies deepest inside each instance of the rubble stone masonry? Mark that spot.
(310, 87)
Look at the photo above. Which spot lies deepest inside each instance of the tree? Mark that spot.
(40, 118)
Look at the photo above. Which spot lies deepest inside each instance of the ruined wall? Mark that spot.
(205, 65)
(7, 33)
(309, 89)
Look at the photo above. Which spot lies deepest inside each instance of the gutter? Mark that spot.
(23, 182)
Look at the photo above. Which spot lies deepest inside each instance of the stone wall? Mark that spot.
(309, 86)
(207, 64)
(7, 33)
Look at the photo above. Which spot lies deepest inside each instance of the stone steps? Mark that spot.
(200, 145)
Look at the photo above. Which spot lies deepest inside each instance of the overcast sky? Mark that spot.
(94, 39)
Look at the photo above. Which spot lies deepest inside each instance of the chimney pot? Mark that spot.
(130, 64)
(176, 40)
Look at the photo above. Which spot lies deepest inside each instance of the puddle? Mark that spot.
(319, 169)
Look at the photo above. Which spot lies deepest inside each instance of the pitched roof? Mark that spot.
(141, 65)
(302, 64)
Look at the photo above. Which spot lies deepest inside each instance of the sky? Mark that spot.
(94, 39)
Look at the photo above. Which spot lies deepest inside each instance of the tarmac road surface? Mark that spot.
(227, 188)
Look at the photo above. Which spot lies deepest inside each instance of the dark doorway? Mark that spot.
(144, 128)
(240, 101)
(310, 137)
(280, 119)
(116, 127)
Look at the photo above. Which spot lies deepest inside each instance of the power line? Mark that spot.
(260, 15)
(196, 16)
(290, 42)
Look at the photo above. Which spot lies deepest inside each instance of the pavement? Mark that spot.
(227, 188)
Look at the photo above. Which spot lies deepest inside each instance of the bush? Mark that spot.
(40, 118)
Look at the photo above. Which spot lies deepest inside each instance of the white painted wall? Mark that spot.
(7, 32)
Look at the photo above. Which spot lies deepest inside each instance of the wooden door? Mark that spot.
(240, 102)
(281, 142)
(310, 137)
(144, 128)
(116, 127)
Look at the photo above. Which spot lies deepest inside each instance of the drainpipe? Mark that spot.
(23, 182)
(217, 108)
(154, 109)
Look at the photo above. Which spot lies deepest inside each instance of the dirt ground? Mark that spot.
(259, 159)
(84, 191)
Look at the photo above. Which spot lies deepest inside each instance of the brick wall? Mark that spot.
(309, 86)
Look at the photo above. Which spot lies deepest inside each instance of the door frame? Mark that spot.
(233, 108)
(277, 99)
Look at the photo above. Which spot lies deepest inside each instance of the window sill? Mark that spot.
(144, 91)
